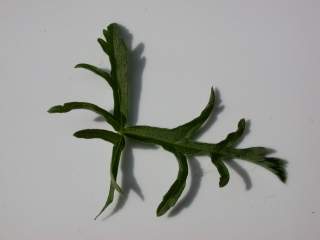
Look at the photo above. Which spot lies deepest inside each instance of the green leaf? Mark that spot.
(99, 71)
(233, 138)
(100, 134)
(87, 106)
(188, 129)
(106, 46)
(172, 196)
(116, 154)
(117, 51)
(220, 151)
(258, 155)
(222, 169)
(178, 140)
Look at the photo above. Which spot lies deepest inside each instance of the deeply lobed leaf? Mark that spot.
(177, 140)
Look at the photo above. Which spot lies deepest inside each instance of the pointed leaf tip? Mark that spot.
(242, 123)
(222, 169)
(56, 109)
(78, 134)
(278, 167)
(160, 211)
(98, 134)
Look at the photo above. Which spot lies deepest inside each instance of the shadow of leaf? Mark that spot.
(242, 172)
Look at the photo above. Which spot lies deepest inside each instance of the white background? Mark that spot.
(262, 56)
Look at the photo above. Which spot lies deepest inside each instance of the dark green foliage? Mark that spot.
(117, 51)
(98, 133)
(116, 154)
(233, 138)
(67, 107)
(179, 141)
(172, 196)
(222, 169)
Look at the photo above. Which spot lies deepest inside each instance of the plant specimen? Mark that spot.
(178, 141)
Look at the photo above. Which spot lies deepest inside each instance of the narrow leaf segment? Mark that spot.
(67, 107)
(176, 189)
